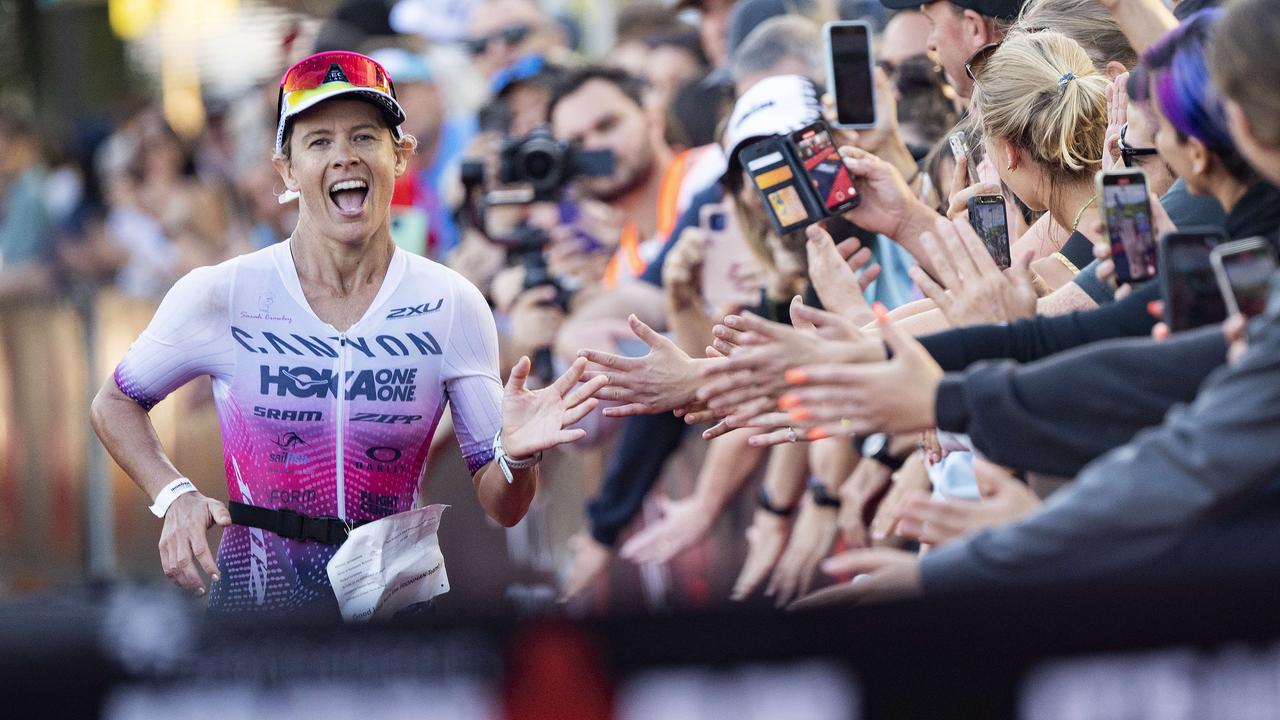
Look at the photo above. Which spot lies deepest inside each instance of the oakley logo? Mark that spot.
(383, 454)
(413, 310)
(335, 74)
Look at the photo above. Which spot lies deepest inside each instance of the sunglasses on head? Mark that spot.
(329, 67)
(978, 61)
(513, 35)
(1128, 152)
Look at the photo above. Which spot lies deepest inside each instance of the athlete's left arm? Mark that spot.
(530, 421)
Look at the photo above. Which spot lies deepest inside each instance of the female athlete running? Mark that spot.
(333, 355)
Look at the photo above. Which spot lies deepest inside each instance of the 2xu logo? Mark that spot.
(414, 310)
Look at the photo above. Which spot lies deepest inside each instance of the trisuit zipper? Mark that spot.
(342, 396)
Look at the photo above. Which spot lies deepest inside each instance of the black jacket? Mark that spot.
(1057, 415)
(1257, 213)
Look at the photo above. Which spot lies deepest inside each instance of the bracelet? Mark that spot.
(766, 503)
(169, 493)
(508, 463)
(821, 496)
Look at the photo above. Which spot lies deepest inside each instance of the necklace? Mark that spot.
(1080, 212)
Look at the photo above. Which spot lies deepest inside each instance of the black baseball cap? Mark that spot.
(1003, 9)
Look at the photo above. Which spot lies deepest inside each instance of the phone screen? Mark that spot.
(822, 161)
(774, 179)
(990, 222)
(851, 75)
(1128, 215)
(1191, 294)
(1249, 272)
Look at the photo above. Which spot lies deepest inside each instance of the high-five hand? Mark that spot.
(537, 420)
(661, 381)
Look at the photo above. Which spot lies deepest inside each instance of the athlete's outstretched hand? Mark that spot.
(537, 420)
(184, 546)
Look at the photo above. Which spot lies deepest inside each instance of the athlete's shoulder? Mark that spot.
(207, 289)
(429, 273)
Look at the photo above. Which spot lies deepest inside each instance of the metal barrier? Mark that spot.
(66, 511)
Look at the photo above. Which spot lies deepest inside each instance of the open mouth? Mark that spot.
(349, 196)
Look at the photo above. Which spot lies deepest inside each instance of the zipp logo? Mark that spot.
(413, 310)
(385, 419)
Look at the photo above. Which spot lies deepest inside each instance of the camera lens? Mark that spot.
(538, 164)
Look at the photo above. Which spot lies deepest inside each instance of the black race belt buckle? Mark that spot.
(293, 525)
(327, 530)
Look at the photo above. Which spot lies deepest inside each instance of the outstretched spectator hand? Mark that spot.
(683, 523)
(1117, 116)
(755, 370)
(661, 381)
(1005, 499)
(866, 484)
(766, 539)
(881, 574)
(840, 274)
(973, 289)
(589, 560)
(811, 539)
(841, 399)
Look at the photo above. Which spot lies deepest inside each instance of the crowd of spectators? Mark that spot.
(894, 404)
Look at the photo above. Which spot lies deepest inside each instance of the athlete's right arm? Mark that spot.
(126, 431)
(187, 337)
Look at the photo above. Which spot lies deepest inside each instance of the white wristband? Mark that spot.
(180, 486)
(507, 463)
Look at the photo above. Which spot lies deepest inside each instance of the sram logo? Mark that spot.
(293, 415)
(305, 382)
(414, 310)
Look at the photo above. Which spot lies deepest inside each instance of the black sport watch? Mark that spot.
(876, 447)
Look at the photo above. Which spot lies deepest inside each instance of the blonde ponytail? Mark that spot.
(1040, 92)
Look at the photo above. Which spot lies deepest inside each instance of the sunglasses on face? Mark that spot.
(513, 35)
(328, 67)
(1128, 152)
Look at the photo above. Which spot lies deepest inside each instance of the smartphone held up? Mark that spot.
(800, 176)
(1244, 269)
(850, 69)
(988, 219)
(1126, 214)
(1187, 282)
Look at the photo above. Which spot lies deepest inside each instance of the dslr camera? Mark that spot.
(547, 165)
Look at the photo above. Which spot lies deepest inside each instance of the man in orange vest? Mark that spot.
(603, 109)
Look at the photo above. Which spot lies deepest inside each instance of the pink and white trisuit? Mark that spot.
(321, 422)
